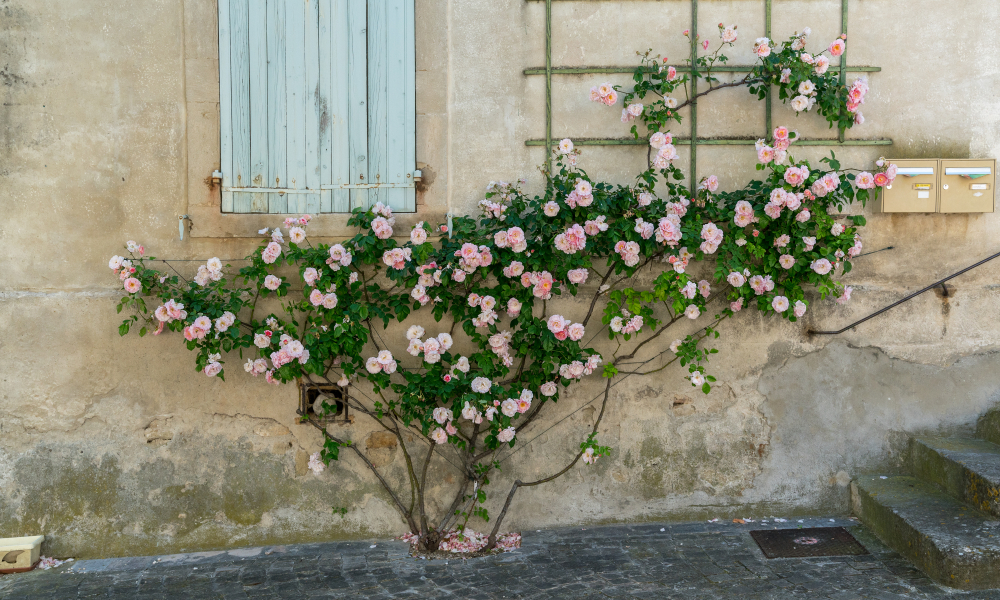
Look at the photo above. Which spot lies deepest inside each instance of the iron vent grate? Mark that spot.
(804, 543)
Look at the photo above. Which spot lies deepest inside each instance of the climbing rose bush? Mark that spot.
(504, 345)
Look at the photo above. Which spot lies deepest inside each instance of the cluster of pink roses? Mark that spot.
(383, 362)
(471, 258)
(486, 304)
(867, 181)
(289, 349)
(633, 325)
(432, 348)
(382, 224)
(668, 230)
(761, 284)
(680, 260)
(291, 222)
(562, 328)
(630, 112)
(744, 214)
(272, 251)
(170, 311)
(339, 257)
(777, 151)
(604, 93)
(512, 238)
(665, 150)
(327, 300)
(540, 283)
(644, 229)
(398, 257)
(856, 97)
(825, 184)
(500, 345)
(255, 367)
(572, 240)
(781, 199)
(213, 367)
(594, 226)
(494, 209)
(429, 280)
(577, 369)
(210, 271)
(712, 236)
(519, 405)
(629, 251)
(123, 268)
(690, 290)
(582, 194)
(198, 329)
(806, 98)
(762, 47)
(418, 235)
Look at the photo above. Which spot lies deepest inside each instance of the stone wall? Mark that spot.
(114, 446)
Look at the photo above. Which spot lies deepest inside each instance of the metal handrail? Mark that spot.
(907, 298)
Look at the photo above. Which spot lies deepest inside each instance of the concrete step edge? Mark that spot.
(919, 521)
(968, 469)
(988, 426)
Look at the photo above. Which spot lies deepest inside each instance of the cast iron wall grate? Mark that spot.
(323, 403)
(803, 543)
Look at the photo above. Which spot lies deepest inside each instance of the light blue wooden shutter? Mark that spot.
(391, 103)
(317, 105)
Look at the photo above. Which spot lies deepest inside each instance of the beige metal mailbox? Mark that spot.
(915, 188)
(967, 186)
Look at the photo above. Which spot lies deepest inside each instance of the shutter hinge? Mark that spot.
(216, 175)
(417, 175)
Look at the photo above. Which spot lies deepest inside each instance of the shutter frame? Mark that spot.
(316, 95)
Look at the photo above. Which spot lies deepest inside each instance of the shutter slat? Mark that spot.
(277, 158)
(339, 99)
(313, 105)
(258, 104)
(395, 153)
(225, 105)
(239, 15)
(410, 105)
(357, 117)
(295, 77)
(377, 99)
(326, 8)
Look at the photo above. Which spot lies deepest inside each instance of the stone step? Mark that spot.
(988, 426)
(968, 469)
(951, 542)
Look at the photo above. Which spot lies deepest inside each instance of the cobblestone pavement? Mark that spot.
(690, 561)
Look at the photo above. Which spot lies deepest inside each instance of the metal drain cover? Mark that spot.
(802, 543)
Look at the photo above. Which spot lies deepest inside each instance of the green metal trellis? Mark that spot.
(693, 140)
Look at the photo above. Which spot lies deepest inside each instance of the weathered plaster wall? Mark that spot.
(109, 128)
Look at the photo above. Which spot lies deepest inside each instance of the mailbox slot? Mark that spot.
(943, 186)
(914, 190)
(967, 186)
